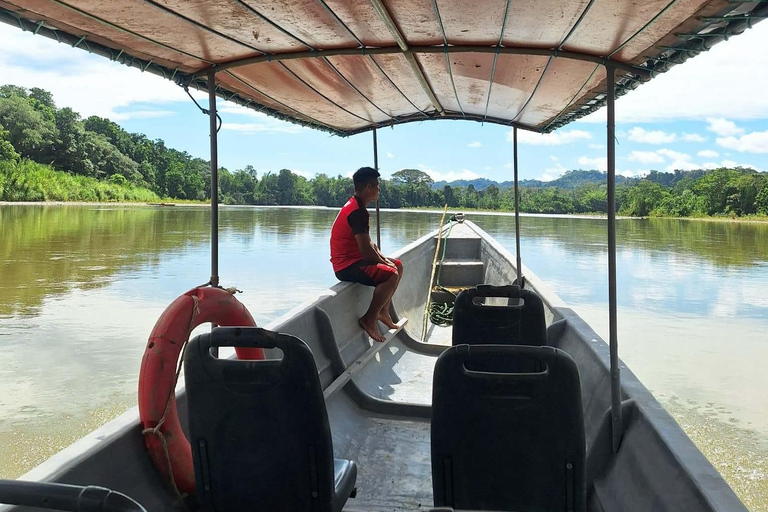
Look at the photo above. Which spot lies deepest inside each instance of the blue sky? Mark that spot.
(709, 112)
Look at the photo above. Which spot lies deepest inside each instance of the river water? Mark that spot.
(82, 286)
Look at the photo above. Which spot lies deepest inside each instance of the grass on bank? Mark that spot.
(26, 180)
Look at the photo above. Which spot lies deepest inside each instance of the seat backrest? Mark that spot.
(507, 441)
(259, 430)
(478, 321)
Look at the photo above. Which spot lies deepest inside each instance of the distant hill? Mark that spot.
(570, 179)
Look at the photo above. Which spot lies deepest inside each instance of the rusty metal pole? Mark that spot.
(376, 166)
(617, 423)
(214, 179)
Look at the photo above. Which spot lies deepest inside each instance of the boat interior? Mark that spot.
(519, 405)
(492, 426)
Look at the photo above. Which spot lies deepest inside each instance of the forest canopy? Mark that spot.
(105, 162)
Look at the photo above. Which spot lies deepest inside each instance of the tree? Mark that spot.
(43, 97)
(69, 151)
(761, 202)
(267, 190)
(286, 187)
(411, 177)
(107, 160)
(716, 187)
(8, 90)
(29, 131)
(643, 198)
(450, 198)
(175, 181)
(7, 151)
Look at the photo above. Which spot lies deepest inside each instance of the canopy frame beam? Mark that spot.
(641, 72)
(402, 45)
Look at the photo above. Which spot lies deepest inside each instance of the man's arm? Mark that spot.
(369, 250)
(382, 256)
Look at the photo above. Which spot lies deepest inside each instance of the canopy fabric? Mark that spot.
(348, 66)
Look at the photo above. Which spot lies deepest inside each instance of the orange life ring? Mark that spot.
(158, 374)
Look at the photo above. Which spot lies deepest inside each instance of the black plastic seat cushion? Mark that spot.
(259, 430)
(507, 441)
(477, 323)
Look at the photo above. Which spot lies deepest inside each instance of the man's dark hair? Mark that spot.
(363, 176)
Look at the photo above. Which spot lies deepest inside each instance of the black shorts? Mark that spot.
(366, 273)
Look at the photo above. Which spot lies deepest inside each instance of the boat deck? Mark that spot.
(401, 375)
(393, 454)
(394, 469)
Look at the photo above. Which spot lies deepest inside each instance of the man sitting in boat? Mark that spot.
(355, 258)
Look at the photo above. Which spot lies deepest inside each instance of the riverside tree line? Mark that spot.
(51, 153)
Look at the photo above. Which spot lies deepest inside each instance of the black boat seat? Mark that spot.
(507, 440)
(520, 321)
(259, 430)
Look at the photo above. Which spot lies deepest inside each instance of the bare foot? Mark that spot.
(371, 328)
(387, 320)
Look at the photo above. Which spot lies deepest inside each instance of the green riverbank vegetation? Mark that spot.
(51, 154)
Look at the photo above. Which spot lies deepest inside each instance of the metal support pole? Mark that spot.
(616, 419)
(517, 210)
(376, 166)
(214, 180)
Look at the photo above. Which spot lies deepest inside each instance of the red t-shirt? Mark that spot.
(352, 220)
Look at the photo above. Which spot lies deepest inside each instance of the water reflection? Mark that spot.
(670, 266)
(81, 288)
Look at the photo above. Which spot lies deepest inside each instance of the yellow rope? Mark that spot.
(432, 276)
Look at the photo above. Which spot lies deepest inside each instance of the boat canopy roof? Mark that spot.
(347, 66)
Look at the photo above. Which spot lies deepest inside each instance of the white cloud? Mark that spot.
(704, 86)
(475, 144)
(89, 84)
(674, 155)
(554, 172)
(556, 138)
(723, 127)
(679, 160)
(693, 137)
(732, 163)
(554, 158)
(645, 157)
(390, 155)
(305, 174)
(599, 163)
(596, 146)
(508, 166)
(755, 142)
(273, 126)
(463, 174)
(264, 124)
(487, 168)
(708, 153)
(638, 134)
(141, 114)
